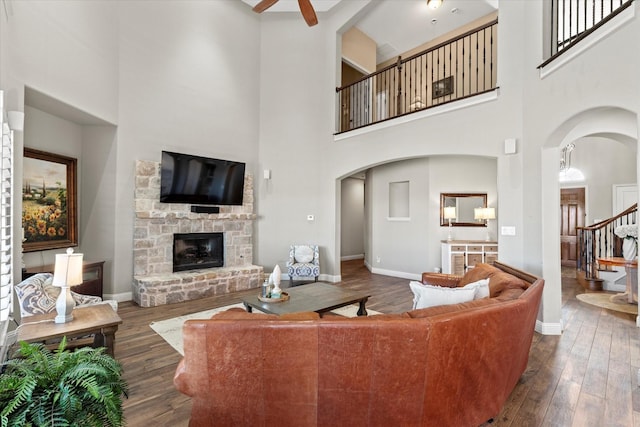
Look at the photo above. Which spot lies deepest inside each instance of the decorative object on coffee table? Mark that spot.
(270, 299)
(276, 291)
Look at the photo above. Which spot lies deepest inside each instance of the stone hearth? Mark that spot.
(154, 283)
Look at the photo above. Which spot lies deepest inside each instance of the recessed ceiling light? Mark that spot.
(434, 21)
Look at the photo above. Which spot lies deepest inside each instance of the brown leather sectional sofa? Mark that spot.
(451, 365)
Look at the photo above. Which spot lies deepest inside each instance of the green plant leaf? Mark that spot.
(61, 388)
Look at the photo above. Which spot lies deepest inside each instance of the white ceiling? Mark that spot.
(400, 25)
(292, 5)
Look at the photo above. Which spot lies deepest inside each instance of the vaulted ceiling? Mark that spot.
(400, 25)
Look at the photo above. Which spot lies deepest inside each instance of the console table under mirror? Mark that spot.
(458, 256)
(465, 205)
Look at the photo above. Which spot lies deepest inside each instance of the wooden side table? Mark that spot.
(99, 320)
(628, 295)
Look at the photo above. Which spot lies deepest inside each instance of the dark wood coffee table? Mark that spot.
(319, 297)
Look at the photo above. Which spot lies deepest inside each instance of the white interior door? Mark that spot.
(624, 196)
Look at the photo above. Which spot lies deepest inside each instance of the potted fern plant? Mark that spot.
(61, 388)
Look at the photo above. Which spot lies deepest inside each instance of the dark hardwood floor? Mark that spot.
(586, 377)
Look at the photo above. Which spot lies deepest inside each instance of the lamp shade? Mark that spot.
(489, 213)
(478, 213)
(68, 269)
(450, 212)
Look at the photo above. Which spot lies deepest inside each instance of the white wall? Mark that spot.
(406, 248)
(397, 245)
(599, 80)
(604, 163)
(352, 218)
(45, 132)
(188, 82)
(214, 78)
(93, 147)
(171, 75)
(98, 222)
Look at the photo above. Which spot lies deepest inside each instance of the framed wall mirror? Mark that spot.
(459, 209)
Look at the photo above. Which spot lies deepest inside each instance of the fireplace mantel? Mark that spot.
(157, 214)
(154, 282)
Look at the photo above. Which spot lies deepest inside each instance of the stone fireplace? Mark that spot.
(155, 282)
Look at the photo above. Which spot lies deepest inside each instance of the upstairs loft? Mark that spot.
(463, 66)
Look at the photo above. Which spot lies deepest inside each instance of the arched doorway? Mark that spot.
(611, 122)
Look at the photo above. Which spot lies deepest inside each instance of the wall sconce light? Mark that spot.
(67, 272)
(449, 213)
(434, 4)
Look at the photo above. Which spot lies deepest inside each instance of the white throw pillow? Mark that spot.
(430, 296)
(481, 287)
(303, 254)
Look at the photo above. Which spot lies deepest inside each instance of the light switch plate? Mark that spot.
(508, 231)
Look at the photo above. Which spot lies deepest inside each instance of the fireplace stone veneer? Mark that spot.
(154, 282)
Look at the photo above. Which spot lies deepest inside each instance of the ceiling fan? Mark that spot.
(306, 8)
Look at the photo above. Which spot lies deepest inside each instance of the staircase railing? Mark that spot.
(600, 241)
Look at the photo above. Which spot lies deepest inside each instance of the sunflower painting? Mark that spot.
(48, 201)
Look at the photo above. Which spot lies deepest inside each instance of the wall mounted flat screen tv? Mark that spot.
(185, 178)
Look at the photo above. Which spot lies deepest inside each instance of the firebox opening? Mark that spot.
(193, 251)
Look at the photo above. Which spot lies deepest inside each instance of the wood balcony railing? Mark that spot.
(600, 241)
(458, 68)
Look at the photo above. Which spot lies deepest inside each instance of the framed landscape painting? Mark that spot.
(49, 207)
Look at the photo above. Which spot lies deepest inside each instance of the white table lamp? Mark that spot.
(67, 272)
(488, 213)
(449, 213)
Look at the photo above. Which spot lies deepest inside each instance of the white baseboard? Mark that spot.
(330, 278)
(124, 296)
(401, 274)
(351, 257)
(548, 328)
(322, 277)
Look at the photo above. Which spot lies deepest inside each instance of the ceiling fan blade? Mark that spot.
(307, 12)
(264, 5)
